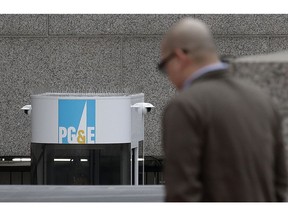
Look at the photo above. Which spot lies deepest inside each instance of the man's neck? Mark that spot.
(188, 71)
(202, 71)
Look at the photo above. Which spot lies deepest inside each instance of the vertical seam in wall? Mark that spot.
(122, 63)
(48, 17)
(269, 43)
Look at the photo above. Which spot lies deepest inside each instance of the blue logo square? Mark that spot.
(76, 121)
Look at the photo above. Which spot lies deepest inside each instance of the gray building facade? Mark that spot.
(112, 53)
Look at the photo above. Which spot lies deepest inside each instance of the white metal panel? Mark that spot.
(44, 120)
(113, 121)
(137, 122)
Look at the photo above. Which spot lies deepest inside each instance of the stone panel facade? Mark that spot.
(102, 53)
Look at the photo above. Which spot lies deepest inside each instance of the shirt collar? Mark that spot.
(202, 71)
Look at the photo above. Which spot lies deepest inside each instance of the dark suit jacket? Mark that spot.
(223, 142)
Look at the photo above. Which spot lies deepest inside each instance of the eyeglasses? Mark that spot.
(162, 64)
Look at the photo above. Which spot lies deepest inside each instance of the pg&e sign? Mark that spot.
(76, 121)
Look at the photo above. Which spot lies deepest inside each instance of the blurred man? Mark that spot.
(222, 136)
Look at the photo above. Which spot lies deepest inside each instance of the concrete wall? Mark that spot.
(92, 53)
(270, 73)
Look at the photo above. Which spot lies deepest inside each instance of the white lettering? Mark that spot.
(71, 135)
(62, 133)
(91, 135)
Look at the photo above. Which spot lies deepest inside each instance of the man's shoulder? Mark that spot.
(205, 94)
(229, 83)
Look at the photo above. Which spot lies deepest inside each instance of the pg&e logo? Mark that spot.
(76, 121)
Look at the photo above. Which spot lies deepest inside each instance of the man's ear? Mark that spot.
(181, 54)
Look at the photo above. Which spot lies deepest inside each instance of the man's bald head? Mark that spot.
(190, 34)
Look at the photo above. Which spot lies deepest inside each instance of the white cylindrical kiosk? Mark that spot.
(81, 138)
